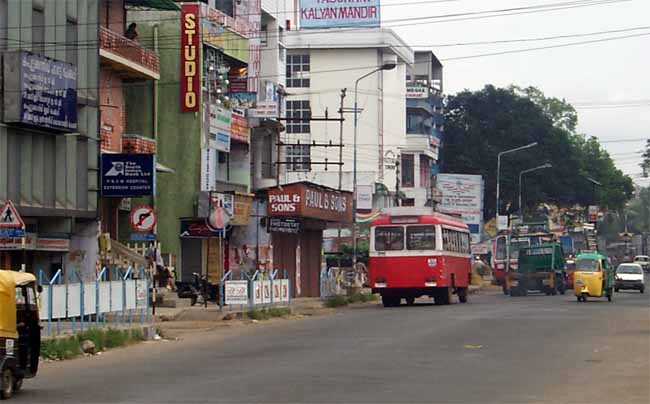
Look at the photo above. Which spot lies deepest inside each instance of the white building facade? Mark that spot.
(319, 65)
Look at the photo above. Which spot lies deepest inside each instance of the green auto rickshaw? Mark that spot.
(540, 268)
(20, 331)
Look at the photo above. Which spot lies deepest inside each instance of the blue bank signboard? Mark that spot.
(127, 175)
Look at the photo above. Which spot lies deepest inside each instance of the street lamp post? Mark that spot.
(543, 166)
(499, 168)
(388, 65)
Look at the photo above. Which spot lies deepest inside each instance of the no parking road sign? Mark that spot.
(143, 219)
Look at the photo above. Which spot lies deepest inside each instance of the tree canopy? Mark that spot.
(480, 124)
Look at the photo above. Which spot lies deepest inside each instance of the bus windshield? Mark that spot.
(389, 238)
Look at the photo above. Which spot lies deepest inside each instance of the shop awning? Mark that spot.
(155, 4)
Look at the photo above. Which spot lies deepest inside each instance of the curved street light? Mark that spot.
(528, 146)
(387, 65)
(543, 166)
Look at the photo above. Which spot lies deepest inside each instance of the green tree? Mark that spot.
(560, 112)
(639, 215)
(480, 124)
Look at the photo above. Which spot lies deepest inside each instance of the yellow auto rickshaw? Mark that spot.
(20, 331)
(593, 277)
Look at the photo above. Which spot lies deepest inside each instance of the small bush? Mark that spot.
(70, 347)
(60, 348)
(336, 301)
(265, 314)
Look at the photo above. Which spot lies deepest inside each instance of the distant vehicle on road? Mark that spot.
(570, 269)
(505, 248)
(644, 261)
(416, 252)
(593, 277)
(540, 268)
(629, 276)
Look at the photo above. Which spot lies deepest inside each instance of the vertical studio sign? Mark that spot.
(190, 58)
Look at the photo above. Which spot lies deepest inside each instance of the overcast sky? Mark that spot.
(612, 72)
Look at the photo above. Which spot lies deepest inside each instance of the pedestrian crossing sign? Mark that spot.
(9, 217)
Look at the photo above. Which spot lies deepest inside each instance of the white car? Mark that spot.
(629, 276)
(644, 261)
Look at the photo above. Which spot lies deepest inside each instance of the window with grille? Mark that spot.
(298, 158)
(298, 109)
(298, 71)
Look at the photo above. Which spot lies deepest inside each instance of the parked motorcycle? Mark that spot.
(196, 290)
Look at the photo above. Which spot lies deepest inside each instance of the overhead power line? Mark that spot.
(409, 21)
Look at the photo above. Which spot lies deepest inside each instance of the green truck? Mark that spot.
(539, 268)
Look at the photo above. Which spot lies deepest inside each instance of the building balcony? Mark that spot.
(423, 104)
(128, 56)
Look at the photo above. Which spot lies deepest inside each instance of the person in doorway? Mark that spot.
(132, 32)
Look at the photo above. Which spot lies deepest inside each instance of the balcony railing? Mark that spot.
(128, 54)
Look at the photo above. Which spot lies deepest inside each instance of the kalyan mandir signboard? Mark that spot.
(339, 13)
(310, 201)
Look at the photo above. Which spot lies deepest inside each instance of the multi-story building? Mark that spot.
(320, 63)
(209, 85)
(424, 129)
(312, 191)
(49, 136)
(129, 72)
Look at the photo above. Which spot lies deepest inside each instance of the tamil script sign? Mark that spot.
(339, 13)
(40, 91)
(127, 175)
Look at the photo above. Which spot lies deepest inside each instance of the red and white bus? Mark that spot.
(415, 252)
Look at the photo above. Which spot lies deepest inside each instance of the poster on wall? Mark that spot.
(190, 57)
(329, 14)
(40, 91)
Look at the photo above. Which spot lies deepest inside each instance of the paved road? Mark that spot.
(493, 349)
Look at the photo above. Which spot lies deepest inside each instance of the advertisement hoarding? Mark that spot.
(127, 175)
(336, 14)
(239, 126)
(190, 58)
(40, 91)
(220, 120)
(463, 194)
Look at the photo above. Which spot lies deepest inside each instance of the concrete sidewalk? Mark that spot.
(214, 313)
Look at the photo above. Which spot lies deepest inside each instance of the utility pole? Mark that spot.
(397, 173)
(338, 241)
